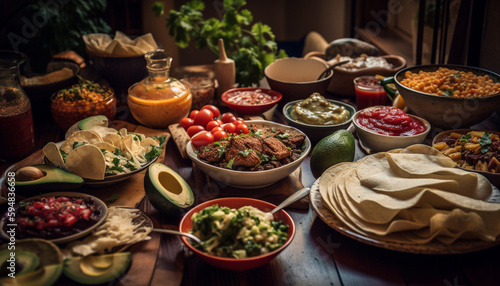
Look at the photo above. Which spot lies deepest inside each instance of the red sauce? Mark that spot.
(250, 97)
(389, 120)
(369, 92)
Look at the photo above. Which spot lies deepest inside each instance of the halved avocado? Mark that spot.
(166, 190)
(53, 179)
(44, 276)
(21, 262)
(96, 120)
(97, 269)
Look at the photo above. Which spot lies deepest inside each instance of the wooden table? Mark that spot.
(318, 255)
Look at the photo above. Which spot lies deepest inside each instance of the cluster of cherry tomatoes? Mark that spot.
(207, 125)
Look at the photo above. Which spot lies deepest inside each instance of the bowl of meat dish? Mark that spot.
(250, 242)
(475, 150)
(449, 96)
(317, 116)
(250, 100)
(267, 154)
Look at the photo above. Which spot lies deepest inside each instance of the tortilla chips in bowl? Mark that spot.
(103, 155)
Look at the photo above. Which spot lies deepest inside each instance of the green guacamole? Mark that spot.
(317, 110)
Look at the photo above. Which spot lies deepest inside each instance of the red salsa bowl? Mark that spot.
(251, 100)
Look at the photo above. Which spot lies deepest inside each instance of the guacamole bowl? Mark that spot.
(237, 264)
(317, 132)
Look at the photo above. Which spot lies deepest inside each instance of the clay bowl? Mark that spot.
(342, 80)
(445, 111)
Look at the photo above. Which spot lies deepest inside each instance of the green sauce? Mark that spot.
(317, 110)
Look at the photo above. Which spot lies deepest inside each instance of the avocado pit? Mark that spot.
(29, 173)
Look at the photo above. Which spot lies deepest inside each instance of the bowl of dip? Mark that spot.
(250, 100)
(317, 116)
(383, 128)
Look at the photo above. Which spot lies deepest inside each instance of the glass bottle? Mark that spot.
(159, 101)
(16, 119)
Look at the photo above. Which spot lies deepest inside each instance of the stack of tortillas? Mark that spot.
(411, 196)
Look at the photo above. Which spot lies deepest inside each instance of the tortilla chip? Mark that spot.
(87, 162)
(114, 139)
(51, 152)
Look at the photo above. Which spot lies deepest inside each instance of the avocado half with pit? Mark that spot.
(97, 269)
(37, 262)
(166, 190)
(52, 179)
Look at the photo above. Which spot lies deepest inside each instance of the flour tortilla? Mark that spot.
(87, 162)
(379, 197)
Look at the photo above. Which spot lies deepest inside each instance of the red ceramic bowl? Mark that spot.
(252, 94)
(232, 263)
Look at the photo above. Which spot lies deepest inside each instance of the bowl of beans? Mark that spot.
(449, 96)
(80, 101)
(251, 100)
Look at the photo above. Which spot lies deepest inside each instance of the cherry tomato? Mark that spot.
(202, 139)
(212, 108)
(193, 129)
(215, 129)
(220, 122)
(229, 127)
(238, 122)
(212, 124)
(228, 117)
(203, 117)
(186, 122)
(219, 135)
(193, 113)
(242, 128)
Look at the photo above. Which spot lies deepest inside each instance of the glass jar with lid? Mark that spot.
(159, 101)
(16, 119)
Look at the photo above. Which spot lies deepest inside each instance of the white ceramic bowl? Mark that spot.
(296, 78)
(380, 142)
(250, 179)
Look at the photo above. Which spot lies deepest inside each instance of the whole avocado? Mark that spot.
(333, 149)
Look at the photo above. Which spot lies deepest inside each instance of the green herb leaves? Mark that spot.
(252, 47)
(485, 142)
(448, 92)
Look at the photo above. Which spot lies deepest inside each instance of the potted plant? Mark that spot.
(251, 46)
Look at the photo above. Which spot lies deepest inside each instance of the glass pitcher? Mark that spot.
(16, 119)
(158, 100)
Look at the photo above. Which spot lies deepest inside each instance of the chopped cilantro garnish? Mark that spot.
(245, 152)
(273, 130)
(130, 166)
(78, 144)
(116, 168)
(264, 157)
(161, 139)
(464, 138)
(457, 75)
(230, 164)
(137, 137)
(118, 152)
(63, 154)
(257, 133)
(103, 151)
(283, 136)
(216, 143)
(116, 161)
(485, 142)
(273, 158)
(153, 153)
(221, 150)
(207, 149)
(303, 148)
(448, 92)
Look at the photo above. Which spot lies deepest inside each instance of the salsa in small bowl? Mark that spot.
(383, 128)
(251, 100)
